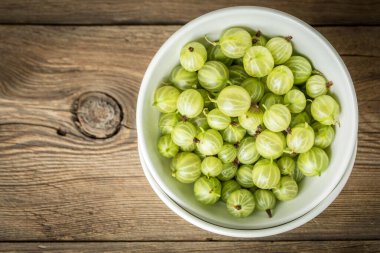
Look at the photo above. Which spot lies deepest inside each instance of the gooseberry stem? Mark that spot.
(269, 212)
(184, 118)
(195, 140)
(211, 42)
(329, 84)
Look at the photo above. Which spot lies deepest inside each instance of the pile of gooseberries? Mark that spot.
(245, 119)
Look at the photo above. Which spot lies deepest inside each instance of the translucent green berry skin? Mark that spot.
(183, 79)
(252, 120)
(287, 165)
(300, 118)
(234, 42)
(166, 146)
(228, 172)
(165, 99)
(213, 76)
(266, 174)
(313, 162)
(270, 99)
(277, 118)
(190, 103)
(183, 134)
(324, 135)
(234, 101)
(193, 56)
(237, 74)
(280, 48)
(325, 110)
(207, 190)
(265, 200)
(258, 61)
(211, 166)
(233, 133)
(240, 203)
(295, 101)
(228, 153)
(244, 176)
(287, 189)
(228, 187)
(209, 142)
(270, 144)
(316, 86)
(167, 122)
(247, 152)
(300, 67)
(300, 139)
(255, 88)
(280, 80)
(186, 167)
(218, 120)
(215, 53)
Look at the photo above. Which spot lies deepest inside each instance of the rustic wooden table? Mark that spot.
(64, 191)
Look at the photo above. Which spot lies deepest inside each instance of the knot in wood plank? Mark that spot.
(97, 115)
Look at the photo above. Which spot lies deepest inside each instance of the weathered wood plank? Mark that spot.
(177, 12)
(72, 187)
(210, 246)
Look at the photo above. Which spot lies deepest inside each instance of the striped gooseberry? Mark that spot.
(165, 99)
(186, 167)
(265, 201)
(240, 203)
(183, 79)
(325, 110)
(295, 100)
(244, 176)
(280, 80)
(252, 120)
(234, 42)
(270, 99)
(234, 133)
(255, 88)
(324, 135)
(193, 56)
(213, 76)
(183, 134)
(300, 67)
(317, 85)
(258, 61)
(209, 142)
(258, 39)
(247, 152)
(277, 118)
(233, 101)
(190, 103)
(207, 190)
(266, 174)
(166, 147)
(313, 162)
(167, 122)
(215, 53)
(270, 144)
(299, 118)
(280, 48)
(228, 153)
(217, 119)
(211, 166)
(228, 171)
(228, 187)
(286, 189)
(300, 139)
(237, 74)
(287, 165)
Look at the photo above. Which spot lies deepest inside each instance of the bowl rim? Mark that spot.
(187, 28)
(244, 233)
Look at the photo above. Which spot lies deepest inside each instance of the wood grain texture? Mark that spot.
(72, 187)
(168, 247)
(178, 12)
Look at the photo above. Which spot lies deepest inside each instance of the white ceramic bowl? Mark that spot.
(306, 41)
